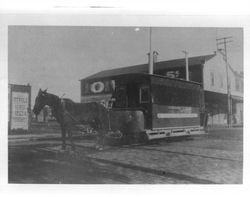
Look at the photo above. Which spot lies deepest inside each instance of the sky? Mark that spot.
(57, 57)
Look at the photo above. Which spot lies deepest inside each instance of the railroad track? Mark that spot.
(149, 148)
(185, 153)
(141, 146)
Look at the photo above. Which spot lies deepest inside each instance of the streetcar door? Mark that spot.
(133, 95)
(120, 96)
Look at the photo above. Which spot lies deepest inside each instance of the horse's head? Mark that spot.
(41, 101)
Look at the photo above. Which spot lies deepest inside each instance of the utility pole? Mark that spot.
(223, 41)
(187, 69)
(151, 64)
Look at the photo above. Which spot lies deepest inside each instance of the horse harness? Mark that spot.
(65, 112)
(110, 133)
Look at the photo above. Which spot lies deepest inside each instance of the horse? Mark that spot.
(68, 113)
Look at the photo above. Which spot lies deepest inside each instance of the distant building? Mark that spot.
(45, 115)
(209, 70)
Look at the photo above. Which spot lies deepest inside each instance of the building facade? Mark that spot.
(218, 92)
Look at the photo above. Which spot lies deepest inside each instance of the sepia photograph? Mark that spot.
(146, 104)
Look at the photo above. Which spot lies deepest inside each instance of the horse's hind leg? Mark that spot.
(100, 139)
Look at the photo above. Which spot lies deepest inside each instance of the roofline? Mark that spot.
(12, 84)
(145, 74)
(174, 79)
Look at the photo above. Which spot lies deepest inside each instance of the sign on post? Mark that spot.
(19, 99)
(20, 115)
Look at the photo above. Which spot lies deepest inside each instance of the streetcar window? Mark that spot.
(176, 96)
(144, 94)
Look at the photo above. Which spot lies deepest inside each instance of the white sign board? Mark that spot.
(20, 115)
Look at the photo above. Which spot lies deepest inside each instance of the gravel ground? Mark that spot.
(216, 158)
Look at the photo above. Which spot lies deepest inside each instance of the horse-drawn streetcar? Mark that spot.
(131, 106)
(148, 105)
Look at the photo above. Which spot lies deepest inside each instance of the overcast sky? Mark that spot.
(58, 57)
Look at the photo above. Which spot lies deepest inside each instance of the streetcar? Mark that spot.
(147, 105)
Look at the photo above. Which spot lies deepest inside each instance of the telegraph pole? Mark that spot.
(187, 69)
(151, 64)
(223, 41)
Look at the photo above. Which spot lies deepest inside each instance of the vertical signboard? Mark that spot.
(20, 115)
(19, 107)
